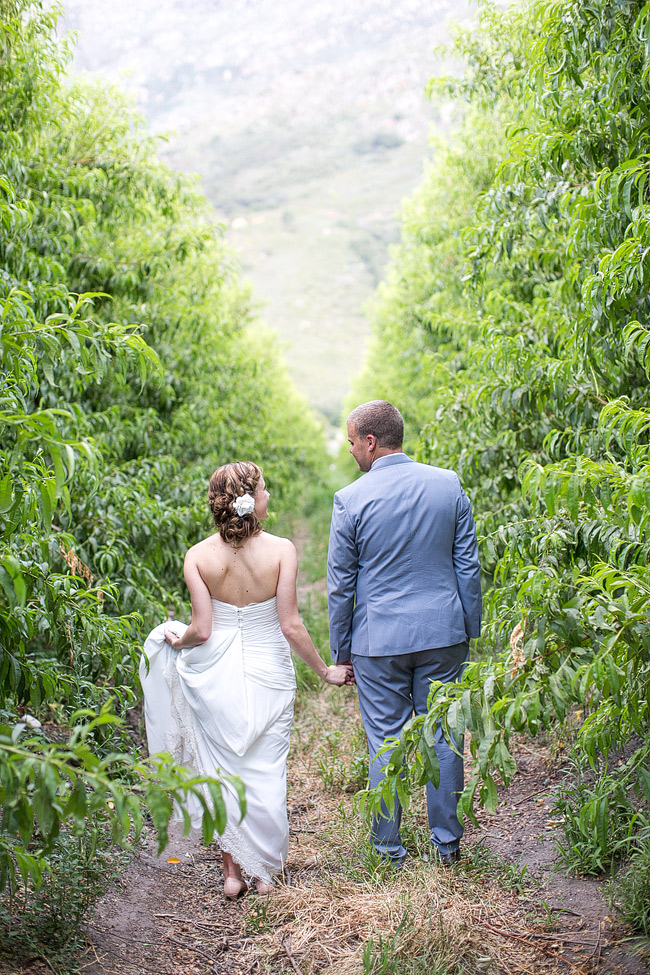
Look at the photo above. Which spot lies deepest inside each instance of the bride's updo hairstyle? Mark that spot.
(226, 485)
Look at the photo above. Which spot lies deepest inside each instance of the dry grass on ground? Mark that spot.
(338, 915)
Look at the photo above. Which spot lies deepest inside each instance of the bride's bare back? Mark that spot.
(240, 575)
(261, 567)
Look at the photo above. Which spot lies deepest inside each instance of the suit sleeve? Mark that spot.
(342, 566)
(466, 566)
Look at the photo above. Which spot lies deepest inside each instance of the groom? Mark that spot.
(404, 600)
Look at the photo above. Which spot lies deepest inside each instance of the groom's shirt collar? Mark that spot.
(388, 460)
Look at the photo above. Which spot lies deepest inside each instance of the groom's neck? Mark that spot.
(384, 452)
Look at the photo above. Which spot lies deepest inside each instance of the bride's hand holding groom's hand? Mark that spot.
(294, 629)
(339, 674)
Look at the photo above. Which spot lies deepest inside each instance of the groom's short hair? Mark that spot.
(382, 420)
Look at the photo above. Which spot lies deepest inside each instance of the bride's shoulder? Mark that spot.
(276, 541)
(204, 546)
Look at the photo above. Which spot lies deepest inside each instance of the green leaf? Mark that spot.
(6, 493)
(430, 762)
(489, 794)
(76, 805)
(219, 807)
(573, 495)
(31, 867)
(160, 807)
(47, 501)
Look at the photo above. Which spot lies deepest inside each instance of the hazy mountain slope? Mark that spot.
(307, 125)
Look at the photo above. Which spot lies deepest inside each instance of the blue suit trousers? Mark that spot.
(390, 690)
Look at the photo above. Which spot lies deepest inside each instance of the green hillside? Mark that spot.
(307, 125)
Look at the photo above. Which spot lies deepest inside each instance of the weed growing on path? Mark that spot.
(600, 818)
(48, 920)
(481, 861)
(629, 894)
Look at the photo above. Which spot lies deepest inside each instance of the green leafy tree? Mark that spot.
(524, 333)
(131, 366)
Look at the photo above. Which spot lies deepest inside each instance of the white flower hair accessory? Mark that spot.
(244, 505)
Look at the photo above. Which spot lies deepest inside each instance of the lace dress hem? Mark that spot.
(184, 749)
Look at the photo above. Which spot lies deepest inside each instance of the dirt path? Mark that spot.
(171, 917)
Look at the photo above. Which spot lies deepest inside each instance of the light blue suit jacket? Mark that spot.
(402, 569)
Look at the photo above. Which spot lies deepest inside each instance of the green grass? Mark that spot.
(629, 893)
(480, 861)
(47, 922)
(600, 817)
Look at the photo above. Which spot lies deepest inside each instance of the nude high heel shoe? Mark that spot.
(263, 887)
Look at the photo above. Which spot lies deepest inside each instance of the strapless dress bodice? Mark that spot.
(265, 652)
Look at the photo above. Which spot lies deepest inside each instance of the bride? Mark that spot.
(219, 693)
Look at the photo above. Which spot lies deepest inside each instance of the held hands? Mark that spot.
(340, 674)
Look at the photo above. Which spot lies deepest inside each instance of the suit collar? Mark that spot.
(389, 460)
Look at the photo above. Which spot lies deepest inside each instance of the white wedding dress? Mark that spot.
(228, 704)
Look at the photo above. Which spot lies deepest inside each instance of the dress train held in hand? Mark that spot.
(227, 704)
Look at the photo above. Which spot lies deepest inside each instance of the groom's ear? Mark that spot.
(371, 440)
